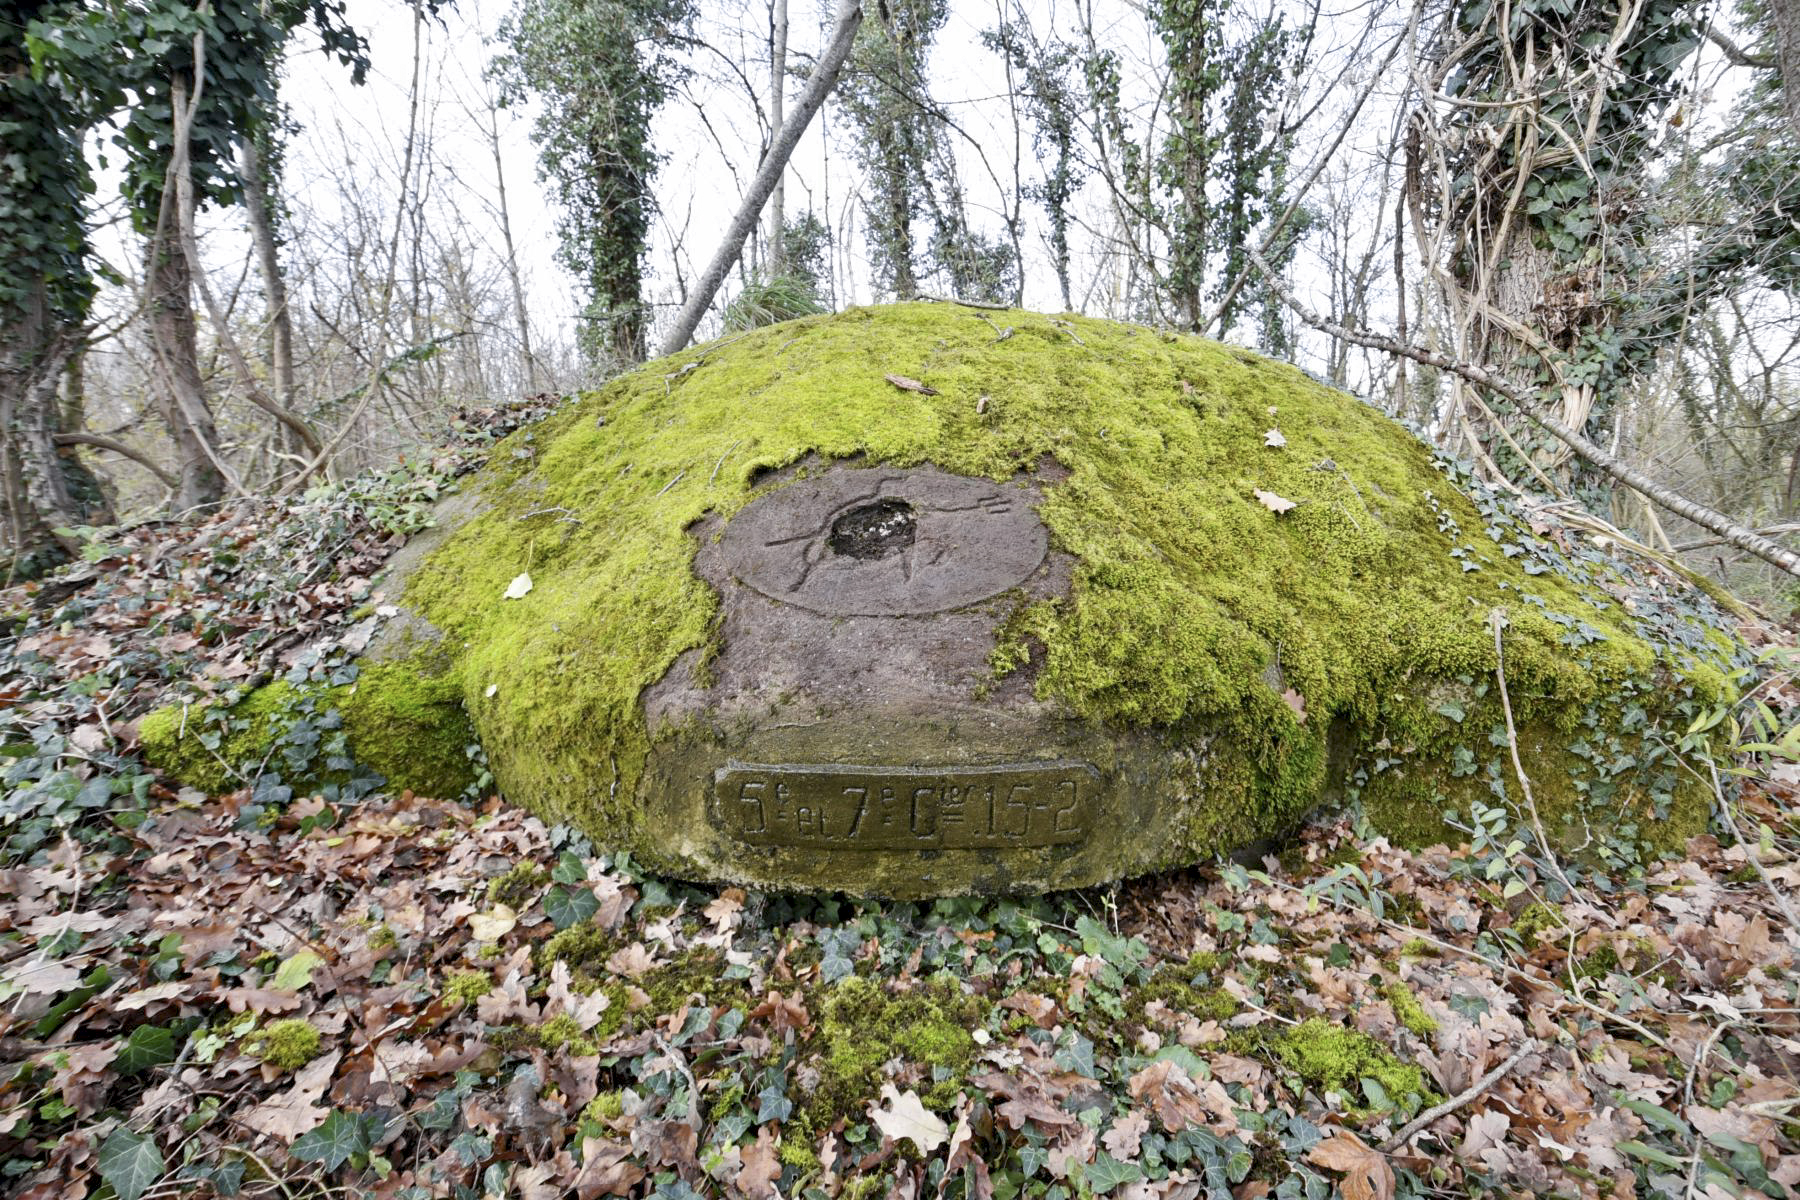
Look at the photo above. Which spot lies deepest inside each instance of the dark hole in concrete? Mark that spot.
(874, 530)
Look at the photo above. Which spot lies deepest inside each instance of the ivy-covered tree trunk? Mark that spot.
(44, 295)
(1530, 193)
(33, 348)
(1189, 33)
(1784, 17)
(883, 87)
(600, 68)
(259, 207)
(174, 347)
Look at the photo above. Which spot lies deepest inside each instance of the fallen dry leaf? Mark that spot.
(493, 924)
(291, 1113)
(1297, 702)
(1274, 439)
(606, 1170)
(904, 1115)
(761, 1166)
(1367, 1175)
(1274, 503)
(911, 385)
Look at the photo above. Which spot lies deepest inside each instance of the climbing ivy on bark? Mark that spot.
(600, 70)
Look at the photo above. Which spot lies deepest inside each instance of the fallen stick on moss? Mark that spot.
(1457, 1101)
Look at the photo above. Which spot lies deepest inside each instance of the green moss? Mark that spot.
(562, 1031)
(403, 720)
(288, 1044)
(585, 948)
(1408, 1010)
(861, 1026)
(175, 738)
(1332, 1058)
(696, 972)
(466, 987)
(1534, 921)
(607, 1106)
(409, 725)
(1186, 588)
(1597, 964)
(516, 886)
(1173, 985)
(382, 937)
(797, 1154)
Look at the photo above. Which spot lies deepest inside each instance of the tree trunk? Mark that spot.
(1784, 15)
(33, 483)
(777, 85)
(182, 393)
(521, 317)
(258, 200)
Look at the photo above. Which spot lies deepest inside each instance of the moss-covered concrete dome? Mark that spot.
(921, 600)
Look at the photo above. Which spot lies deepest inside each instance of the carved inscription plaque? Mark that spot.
(835, 807)
(868, 541)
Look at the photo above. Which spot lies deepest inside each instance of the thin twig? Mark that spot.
(965, 303)
(711, 479)
(1497, 619)
(1457, 1101)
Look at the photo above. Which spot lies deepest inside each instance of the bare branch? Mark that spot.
(1729, 531)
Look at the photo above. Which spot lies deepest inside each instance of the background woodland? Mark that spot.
(1477, 215)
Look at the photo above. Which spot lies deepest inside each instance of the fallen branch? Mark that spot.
(1729, 531)
(781, 148)
(965, 303)
(1765, 531)
(1457, 1101)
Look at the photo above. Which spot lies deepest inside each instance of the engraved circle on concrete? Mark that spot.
(862, 541)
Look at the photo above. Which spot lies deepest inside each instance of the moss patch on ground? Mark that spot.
(1332, 1058)
(403, 720)
(287, 1044)
(862, 1026)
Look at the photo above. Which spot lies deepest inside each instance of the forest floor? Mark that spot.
(266, 994)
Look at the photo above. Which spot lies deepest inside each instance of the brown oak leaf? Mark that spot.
(761, 1166)
(1366, 1173)
(606, 1170)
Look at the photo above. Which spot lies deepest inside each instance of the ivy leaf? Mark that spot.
(296, 971)
(1468, 1004)
(332, 1144)
(1106, 1173)
(148, 1046)
(569, 869)
(773, 1104)
(130, 1162)
(568, 906)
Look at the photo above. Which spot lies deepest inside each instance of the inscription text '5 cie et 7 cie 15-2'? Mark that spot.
(865, 808)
